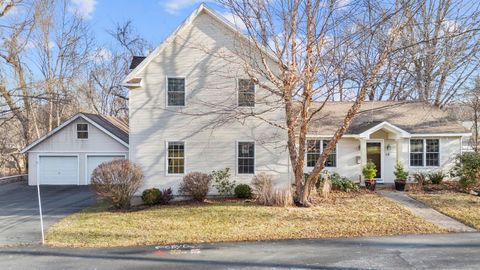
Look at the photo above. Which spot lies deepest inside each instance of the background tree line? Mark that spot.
(52, 66)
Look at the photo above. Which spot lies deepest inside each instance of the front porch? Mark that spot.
(383, 144)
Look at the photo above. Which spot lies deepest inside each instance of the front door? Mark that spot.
(374, 153)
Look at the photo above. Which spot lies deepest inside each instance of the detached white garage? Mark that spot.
(69, 154)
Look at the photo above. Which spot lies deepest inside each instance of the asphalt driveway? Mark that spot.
(19, 216)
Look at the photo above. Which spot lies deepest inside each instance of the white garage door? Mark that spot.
(58, 170)
(94, 161)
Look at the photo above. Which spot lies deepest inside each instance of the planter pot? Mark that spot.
(371, 184)
(400, 185)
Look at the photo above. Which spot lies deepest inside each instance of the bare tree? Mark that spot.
(472, 102)
(109, 67)
(441, 45)
(292, 46)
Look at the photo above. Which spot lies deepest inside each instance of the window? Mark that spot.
(432, 155)
(315, 149)
(246, 158)
(246, 93)
(424, 152)
(175, 91)
(82, 131)
(176, 157)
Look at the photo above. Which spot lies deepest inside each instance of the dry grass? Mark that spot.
(342, 216)
(461, 206)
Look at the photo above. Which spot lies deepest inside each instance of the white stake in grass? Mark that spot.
(40, 208)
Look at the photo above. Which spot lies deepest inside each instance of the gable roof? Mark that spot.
(130, 81)
(412, 117)
(112, 126)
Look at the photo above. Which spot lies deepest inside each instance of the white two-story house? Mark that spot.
(189, 98)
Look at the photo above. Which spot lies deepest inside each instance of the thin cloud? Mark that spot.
(173, 6)
(83, 8)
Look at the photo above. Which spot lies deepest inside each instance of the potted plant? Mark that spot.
(369, 172)
(400, 176)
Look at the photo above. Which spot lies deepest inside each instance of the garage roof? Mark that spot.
(114, 127)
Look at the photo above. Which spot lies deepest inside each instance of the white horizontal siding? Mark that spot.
(210, 135)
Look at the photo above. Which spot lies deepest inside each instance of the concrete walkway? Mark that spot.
(426, 212)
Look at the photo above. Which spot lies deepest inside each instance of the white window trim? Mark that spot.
(424, 153)
(321, 151)
(166, 92)
(184, 158)
(88, 131)
(254, 158)
(238, 93)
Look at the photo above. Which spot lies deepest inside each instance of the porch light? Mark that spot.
(389, 147)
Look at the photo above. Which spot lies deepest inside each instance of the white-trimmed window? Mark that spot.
(82, 131)
(315, 149)
(246, 93)
(176, 157)
(246, 157)
(175, 91)
(424, 152)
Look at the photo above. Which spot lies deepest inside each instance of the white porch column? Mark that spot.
(363, 152)
(399, 149)
(363, 156)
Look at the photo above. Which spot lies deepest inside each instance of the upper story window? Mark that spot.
(246, 93)
(424, 152)
(82, 131)
(176, 157)
(176, 91)
(315, 149)
(246, 158)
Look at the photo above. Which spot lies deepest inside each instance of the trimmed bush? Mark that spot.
(467, 167)
(116, 182)
(151, 196)
(195, 185)
(338, 182)
(221, 181)
(436, 177)
(154, 196)
(167, 196)
(243, 191)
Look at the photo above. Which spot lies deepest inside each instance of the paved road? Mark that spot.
(447, 251)
(19, 219)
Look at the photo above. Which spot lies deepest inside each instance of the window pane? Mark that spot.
(82, 127)
(433, 145)
(331, 159)
(312, 159)
(176, 92)
(176, 157)
(82, 135)
(246, 158)
(246, 93)
(416, 146)
(416, 159)
(432, 159)
(246, 149)
(313, 152)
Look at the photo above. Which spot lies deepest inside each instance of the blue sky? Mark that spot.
(153, 19)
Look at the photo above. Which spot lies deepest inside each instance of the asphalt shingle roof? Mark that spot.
(413, 117)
